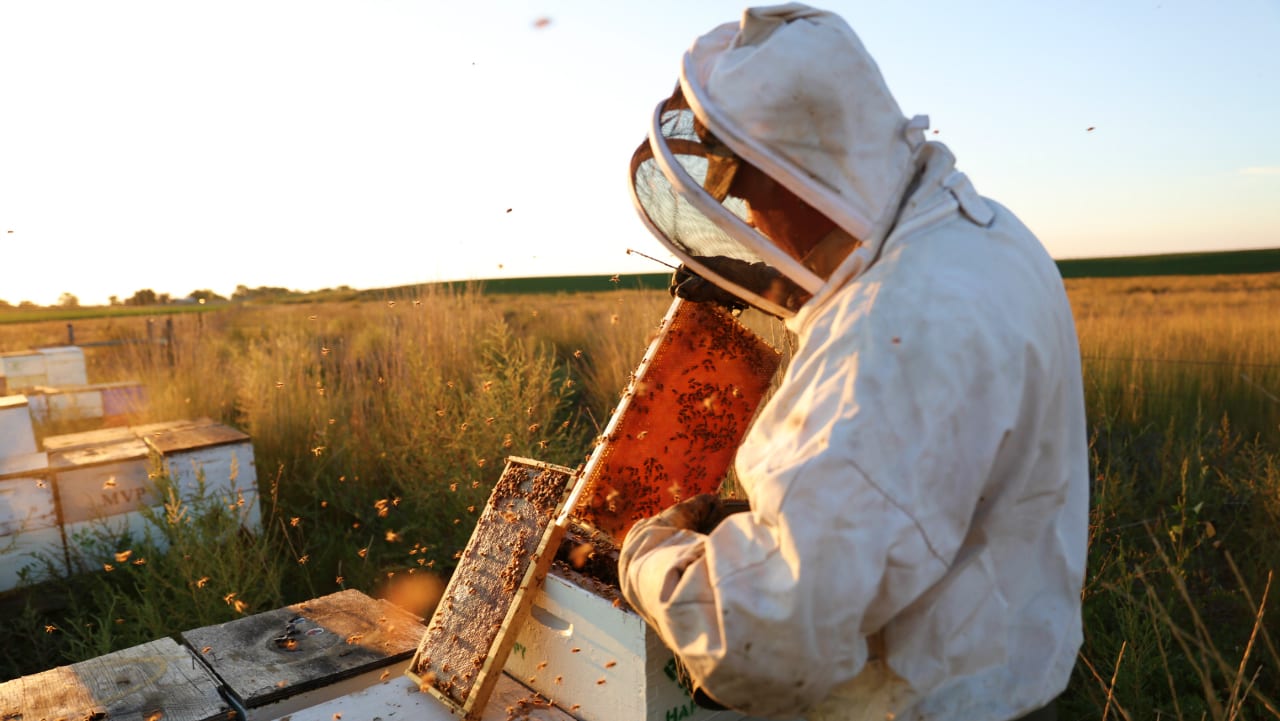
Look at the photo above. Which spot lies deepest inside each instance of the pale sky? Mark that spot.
(177, 145)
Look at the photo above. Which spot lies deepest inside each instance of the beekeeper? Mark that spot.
(918, 484)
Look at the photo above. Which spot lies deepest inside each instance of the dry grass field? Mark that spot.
(380, 427)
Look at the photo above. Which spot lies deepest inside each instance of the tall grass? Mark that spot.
(1182, 383)
(379, 429)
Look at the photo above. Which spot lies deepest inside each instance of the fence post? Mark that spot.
(150, 331)
(71, 334)
(168, 338)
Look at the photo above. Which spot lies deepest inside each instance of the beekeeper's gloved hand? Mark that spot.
(691, 514)
(699, 514)
(690, 286)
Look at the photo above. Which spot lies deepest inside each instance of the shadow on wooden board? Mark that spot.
(157, 680)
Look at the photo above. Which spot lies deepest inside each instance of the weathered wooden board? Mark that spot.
(163, 427)
(268, 658)
(86, 439)
(680, 421)
(471, 633)
(185, 438)
(156, 681)
(16, 434)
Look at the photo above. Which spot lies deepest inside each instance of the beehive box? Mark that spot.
(20, 370)
(29, 530)
(121, 400)
(275, 663)
(157, 680)
(16, 435)
(112, 402)
(594, 656)
(71, 403)
(64, 366)
(101, 488)
(206, 453)
(104, 479)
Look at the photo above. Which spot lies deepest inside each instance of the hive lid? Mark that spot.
(273, 655)
(157, 680)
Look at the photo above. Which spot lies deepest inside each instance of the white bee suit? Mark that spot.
(919, 483)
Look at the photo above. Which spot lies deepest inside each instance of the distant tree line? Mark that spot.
(242, 293)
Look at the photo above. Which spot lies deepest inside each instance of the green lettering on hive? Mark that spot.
(684, 711)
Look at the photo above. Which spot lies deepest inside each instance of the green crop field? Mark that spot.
(1221, 263)
(379, 428)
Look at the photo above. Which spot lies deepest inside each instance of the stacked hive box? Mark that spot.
(62, 366)
(16, 435)
(29, 531)
(57, 387)
(105, 478)
(103, 481)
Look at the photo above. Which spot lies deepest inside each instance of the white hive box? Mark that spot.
(218, 456)
(68, 403)
(102, 487)
(105, 478)
(599, 661)
(29, 526)
(112, 402)
(64, 366)
(122, 399)
(20, 370)
(16, 435)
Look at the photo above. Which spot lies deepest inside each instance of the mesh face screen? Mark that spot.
(708, 243)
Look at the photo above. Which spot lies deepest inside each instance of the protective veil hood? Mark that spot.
(791, 91)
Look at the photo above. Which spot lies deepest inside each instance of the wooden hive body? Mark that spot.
(641, 683)
(86, 485)
(20, 370)
(29, 531)
(16, 434)
(64, 366)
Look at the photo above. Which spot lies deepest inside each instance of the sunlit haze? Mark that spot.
(180, 146)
